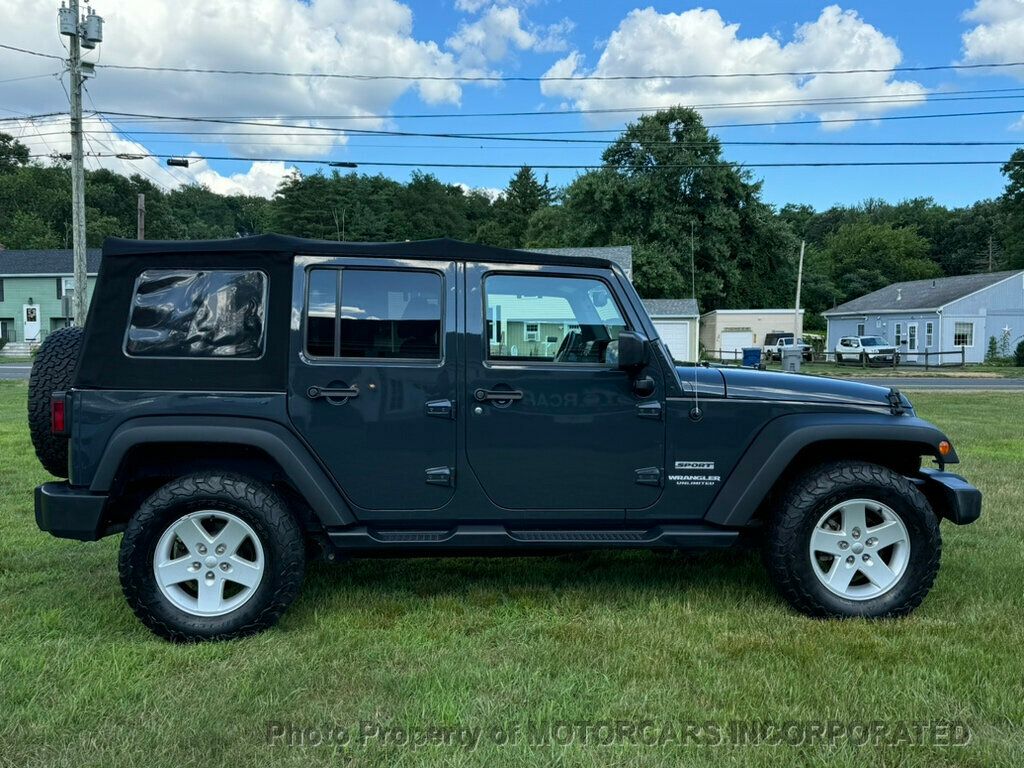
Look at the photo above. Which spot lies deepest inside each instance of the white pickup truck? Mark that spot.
(774, 343)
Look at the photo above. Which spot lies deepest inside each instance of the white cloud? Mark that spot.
(700, 41)
(52, 137)
(350, 36)
(998, 34)
(499, 29)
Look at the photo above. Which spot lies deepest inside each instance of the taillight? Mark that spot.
(58, 421)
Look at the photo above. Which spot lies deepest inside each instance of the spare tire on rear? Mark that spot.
(51, 372)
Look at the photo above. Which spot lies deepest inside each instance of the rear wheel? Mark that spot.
(52, 371)
(853, 539)
(211, 556)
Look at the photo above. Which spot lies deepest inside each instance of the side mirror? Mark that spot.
(632, 350)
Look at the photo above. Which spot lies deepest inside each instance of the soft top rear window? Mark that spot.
(198, 314)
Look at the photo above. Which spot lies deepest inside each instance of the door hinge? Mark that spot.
(444, 409)
(648, 476)
(441, 476)
(651, 410)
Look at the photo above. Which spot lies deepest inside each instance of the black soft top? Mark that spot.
(287, 247)
(103, 363)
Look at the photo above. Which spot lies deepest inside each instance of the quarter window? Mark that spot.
(963, 335)
(551, 319)
(198, 314)
(387, 314)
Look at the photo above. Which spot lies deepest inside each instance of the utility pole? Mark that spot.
(85, 32)
(799, 281)
(140, 217)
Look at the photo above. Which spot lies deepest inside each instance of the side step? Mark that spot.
(499, 539)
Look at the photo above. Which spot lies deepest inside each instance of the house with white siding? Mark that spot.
(943, 314)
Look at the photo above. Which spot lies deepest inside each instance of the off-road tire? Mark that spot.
(52, 371)
(786, 552)
(254, 502)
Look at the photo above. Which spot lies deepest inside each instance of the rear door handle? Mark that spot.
(499, 395)
(313, 393)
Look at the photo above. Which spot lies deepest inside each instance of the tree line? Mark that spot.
(663, 187)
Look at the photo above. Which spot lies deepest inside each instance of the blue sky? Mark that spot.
(534, 38)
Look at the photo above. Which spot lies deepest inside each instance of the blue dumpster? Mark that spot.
(751, 357)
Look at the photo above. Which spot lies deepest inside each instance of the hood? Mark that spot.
(769, 385)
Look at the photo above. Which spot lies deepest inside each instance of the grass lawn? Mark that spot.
(486, 644)
(982, 370)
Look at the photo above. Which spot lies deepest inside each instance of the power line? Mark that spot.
(534, 136)
(853, 99)
(566, 78)
(575, 166)
(29, 77)
(229, 135)
(16, 49)
(537, 78)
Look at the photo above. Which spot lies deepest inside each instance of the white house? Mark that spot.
(938, 315)
(676, 321)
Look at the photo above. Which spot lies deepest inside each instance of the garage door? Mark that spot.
(733, 343)
(676, 335)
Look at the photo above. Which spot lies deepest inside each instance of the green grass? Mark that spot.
(984, 370)
(482, 643)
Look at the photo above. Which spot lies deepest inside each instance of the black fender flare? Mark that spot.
(297, 462)
(775, 447)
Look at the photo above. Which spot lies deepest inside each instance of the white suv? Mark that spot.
(874, 349)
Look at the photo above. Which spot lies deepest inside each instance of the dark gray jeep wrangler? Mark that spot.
(236, 407)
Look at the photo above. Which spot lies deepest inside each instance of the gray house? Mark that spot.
(939, 315)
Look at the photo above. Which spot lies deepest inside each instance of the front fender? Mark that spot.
(775, 447)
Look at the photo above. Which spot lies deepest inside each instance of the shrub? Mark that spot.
(1018, 355)
(3, 342)
(992, 354)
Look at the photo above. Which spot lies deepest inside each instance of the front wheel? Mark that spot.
(853, 539)
(211, 556)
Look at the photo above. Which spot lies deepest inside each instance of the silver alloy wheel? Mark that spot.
(208, 563)
(859, 549)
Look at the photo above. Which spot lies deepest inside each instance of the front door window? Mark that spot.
(563, 320)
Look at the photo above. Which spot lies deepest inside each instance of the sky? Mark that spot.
(557, 47)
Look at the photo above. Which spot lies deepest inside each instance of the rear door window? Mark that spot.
(374, 313)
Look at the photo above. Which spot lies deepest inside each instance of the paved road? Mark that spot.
(14, 370)
(948, 384)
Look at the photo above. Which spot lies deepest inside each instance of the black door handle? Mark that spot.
(314, 393)
(484, 395)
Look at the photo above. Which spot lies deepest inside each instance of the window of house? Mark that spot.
(963, 335)
(929, 334)
(387, 314)
(860, 329)
(912, 337)
(204, 314)
(535, 318)
(899, 334)
(1, 289)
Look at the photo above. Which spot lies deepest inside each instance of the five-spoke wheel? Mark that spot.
(211, 556)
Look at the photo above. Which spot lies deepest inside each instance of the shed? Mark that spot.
(676, 321)
(724, 332)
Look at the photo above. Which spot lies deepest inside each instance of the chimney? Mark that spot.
(899, 294)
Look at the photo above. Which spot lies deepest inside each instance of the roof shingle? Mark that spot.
(46, 262)
(672, 307)
(921, 294)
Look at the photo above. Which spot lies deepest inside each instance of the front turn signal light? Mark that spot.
(945, 448)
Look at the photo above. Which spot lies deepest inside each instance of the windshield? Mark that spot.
(874, 341)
